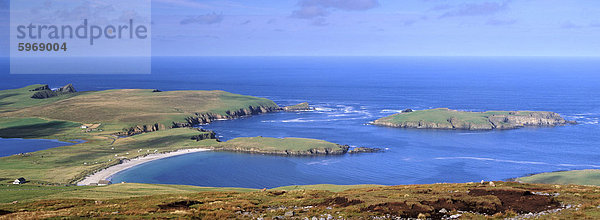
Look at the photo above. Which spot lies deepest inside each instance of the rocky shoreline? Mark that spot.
(205, 118)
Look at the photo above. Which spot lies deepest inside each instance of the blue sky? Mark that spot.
(375, 27)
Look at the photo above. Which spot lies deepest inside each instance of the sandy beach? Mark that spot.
(108, 172)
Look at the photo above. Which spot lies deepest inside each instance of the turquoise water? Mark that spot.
(350, 92)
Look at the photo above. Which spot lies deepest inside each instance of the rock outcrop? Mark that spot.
(205, 135)
(298, 107)
(472, 120)
(138, 129)
(197, 119)
(44, 92)
(357, 150)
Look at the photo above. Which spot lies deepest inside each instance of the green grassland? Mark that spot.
(580, 177)
(32, 192)
(15, 99)
(474, 200)
(131, 107)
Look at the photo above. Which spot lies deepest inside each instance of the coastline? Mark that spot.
(107, 173)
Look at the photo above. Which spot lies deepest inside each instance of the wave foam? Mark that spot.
(516, 161)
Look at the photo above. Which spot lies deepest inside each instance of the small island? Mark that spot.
(289, 146)
(444, 118)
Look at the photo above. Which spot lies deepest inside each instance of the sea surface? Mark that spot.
(349, 92)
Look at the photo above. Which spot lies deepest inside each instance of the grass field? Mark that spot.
(130, 107)
(473, 200)
(40, 128)
(32, 192)
(580, 177)
(15, 99)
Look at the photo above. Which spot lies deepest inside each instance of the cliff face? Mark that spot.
(141, 129)
(45, 92)
(509, 120)
(199, 118)
(205, 135)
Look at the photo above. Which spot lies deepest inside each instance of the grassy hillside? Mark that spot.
(579, 177)
(32, 192)
(14, 99)
(130, 107)
(469, 201)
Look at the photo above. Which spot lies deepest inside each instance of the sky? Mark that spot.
(371, 27)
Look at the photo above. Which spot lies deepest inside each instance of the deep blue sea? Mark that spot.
(349, 92)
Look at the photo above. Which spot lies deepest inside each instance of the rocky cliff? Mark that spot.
(452, 119)
(299, 107)
(199, 118)
(205, 135)
(45, 92)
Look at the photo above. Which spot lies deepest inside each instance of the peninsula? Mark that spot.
(444, 118)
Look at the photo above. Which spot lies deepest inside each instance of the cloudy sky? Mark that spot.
(375, 27)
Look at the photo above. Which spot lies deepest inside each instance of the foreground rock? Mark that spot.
(44, 92)
(444, 118)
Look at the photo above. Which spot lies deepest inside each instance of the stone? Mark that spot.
(289, 214)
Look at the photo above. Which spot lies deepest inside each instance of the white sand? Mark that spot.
(126, 164)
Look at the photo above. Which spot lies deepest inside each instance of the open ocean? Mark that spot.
(349, 92)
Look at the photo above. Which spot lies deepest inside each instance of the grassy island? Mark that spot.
(443, 118)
